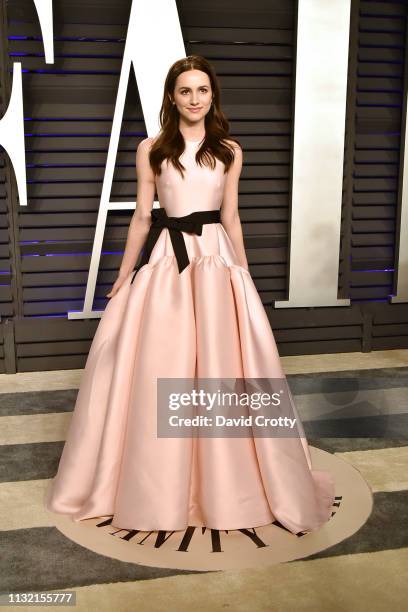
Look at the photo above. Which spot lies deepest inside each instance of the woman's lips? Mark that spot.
(194, 110)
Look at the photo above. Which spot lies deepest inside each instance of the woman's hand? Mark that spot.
(116, 286)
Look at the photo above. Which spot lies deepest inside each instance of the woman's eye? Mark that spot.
(186, 91)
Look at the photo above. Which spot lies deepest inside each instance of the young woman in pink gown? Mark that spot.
(189, 310)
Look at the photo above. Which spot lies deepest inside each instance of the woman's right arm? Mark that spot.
(141, 219)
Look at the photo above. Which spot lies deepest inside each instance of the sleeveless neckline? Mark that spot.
(194, 141)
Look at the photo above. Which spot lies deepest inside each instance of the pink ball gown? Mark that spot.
(204, 321)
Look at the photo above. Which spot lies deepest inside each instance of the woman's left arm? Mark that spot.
(229, 208)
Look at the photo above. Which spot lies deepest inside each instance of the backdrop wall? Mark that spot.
(45, 247)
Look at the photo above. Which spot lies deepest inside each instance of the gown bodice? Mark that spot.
(201, 188)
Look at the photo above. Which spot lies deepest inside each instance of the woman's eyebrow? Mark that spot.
(185, 86)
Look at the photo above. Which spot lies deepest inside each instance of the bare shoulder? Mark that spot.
(146, 143)
(143, 168)
(238, 155)
(235, 145)
(237, 163)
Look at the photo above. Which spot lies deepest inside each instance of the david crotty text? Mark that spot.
(205, 421)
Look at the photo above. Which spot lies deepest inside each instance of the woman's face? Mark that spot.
(193, 95)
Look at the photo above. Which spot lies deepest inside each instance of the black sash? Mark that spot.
(192, 224)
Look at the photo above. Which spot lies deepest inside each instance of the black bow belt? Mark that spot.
(192, 224)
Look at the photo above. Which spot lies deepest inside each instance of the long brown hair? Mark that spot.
(170, 142)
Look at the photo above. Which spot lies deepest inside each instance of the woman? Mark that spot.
(190, 310)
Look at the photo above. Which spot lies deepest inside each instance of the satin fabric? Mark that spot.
(208, 321)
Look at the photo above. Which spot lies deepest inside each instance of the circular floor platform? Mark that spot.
(206, 549)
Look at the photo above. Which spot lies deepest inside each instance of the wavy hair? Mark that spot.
(170, 142)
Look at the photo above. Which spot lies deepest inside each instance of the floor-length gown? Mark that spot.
(205, 321)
